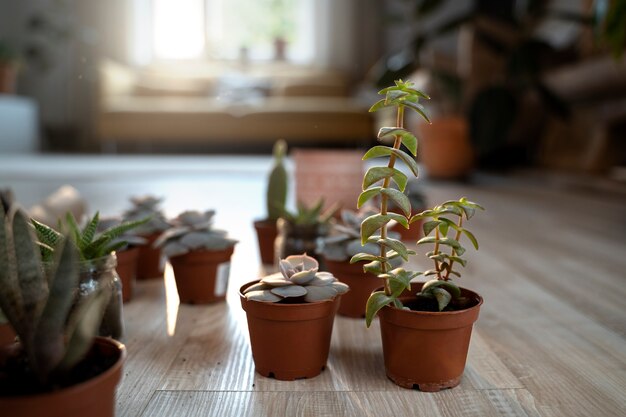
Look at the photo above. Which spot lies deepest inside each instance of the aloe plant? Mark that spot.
(309, 215)
(377, 183)
(91, 244)
(192, 230)
(276, 195)
(53, 335)
(298, 278)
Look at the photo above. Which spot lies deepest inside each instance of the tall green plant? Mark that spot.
(377, 182)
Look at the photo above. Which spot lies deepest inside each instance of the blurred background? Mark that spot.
(514, 83)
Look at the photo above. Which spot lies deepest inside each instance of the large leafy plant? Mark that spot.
(377, 182)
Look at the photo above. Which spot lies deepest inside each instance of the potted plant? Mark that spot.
(290, 318)
(425, 335)
(276, 197)
(56, 367)
(97, 262)
(299, 231)
(149, 258)
(343, 242)
(417, 199)
(9, 65)
(200, 257)
(127, 255)
(7, 334)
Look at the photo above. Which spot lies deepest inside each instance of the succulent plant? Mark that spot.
(129, 237)
(147, 207)
(344, 239)
(54, 335)
(192, 230)
(415, 194)
(91, 244)
(298, 278)
(276, 196)
(309, 215)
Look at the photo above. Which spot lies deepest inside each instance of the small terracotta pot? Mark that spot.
(289, 341)
(149, 260)
(93, 398)
(127, 270)
(202, 275)
(445, 148)
(427, 350)
(361, 286)
(7, 335)
(412, 234)
(8, 77)
(266, 232)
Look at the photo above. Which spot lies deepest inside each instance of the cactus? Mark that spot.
(147, 206)
(298, 278)
(192, 230)
(54, 335)
(277, 183)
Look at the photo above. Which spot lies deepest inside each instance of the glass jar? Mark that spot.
(101, 271)
(297, 239)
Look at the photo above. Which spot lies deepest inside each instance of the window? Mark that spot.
(220, 29)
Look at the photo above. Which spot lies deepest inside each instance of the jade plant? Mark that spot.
(147, 207)
(54, 334)
(377, 183)
(192, 230)
(299, 279)
(91, 244)
(276, 194)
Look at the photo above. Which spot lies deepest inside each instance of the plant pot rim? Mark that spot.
(278, 305)
(265, 221)
(203, 251)
(78, 388)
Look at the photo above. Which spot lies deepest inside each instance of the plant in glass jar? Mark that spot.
(423, 325)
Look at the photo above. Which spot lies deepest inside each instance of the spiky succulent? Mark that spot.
(147, 207)
(310, 215)
(344, 239)
(193, 230)
(53, 333)
(298, 278)
(91, 244)
(276, 195)
(129, 237)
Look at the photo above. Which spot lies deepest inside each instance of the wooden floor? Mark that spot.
(550, 340)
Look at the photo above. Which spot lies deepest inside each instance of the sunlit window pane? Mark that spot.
(178, 29)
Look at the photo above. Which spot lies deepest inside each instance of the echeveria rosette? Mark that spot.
(147, 206)
(299, 276)
(192, 230)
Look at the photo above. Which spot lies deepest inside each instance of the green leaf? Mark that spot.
(114, 247)
(372, 224)
(368, 195)
(428, 226)
(379, 151)
(46, 234)
(400, 280)
(364, 257)
(90, 231)
(396, 245)
(400, 219)
(373, 268)
(443, 228)
(442, 241)
(408, 139)
(417, 108)
(376, 174)
(379, 105)
(442, 296)
(74, 229)
(471, 237)
(398, 197)
(376, 301)
(449, 286)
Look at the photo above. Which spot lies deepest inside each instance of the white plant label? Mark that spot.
(221, 279)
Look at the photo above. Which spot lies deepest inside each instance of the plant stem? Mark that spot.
(456, 237)
(436, 252)
(383, 200)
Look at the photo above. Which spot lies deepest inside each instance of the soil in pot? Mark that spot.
(88, 391)
(427, 350)
(289, 341)
(149, 260)
(266, 232)
(361, 286)
(127, 270)
(202, 276)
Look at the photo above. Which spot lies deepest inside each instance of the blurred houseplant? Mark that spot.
(9, 65)
(290, 318)
(200, 257)
(56, 365)
(276, 198)
(426, 335)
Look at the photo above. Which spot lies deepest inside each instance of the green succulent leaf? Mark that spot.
(449, 286)
(442, 241)
(72, 224)
(471, 237)
(396, 245)
(408, 139)
(376, 174)
(442, 296)
(429, 226)
(371, 224)
(379, 105)
(399, 198)
(400, 280)
(368, 194)
(374, 268)
(90, 231)
(375, 302)
(399, 218)
(46, 234)
(443, 228)
(359, 257)
(418, 108)
(380, 151)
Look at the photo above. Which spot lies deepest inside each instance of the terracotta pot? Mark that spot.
(149, 260)
(8, 78)
(127, 270)
(7, 335)
(361, 286)
(427, 350)
(266, 232)
(93, 398)
(445, 149)
(296, 239)
(289, 341)
(202, 276)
